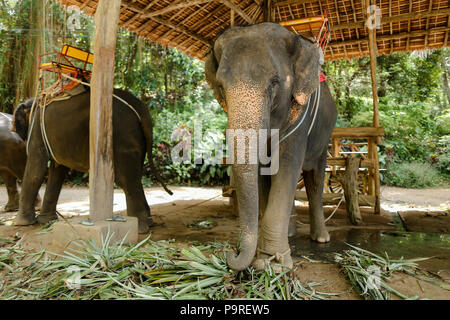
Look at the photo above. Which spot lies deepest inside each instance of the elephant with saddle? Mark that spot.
(269, 78)
(61, 135)
(13, 159)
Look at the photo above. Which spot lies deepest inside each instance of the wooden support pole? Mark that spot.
(101, 172)
(373, 152)
(376, 121)
(267, 10)
(231, 18)
(349, 182)
(373, 64)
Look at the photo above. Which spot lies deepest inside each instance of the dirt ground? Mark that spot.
(181, 216)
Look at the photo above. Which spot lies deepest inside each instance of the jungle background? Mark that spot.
(413, 91)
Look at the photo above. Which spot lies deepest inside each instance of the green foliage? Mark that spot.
(412, 175)
(413, 105)
(166, 122)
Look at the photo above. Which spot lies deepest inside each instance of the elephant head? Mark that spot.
(255, 73)
(21, 119)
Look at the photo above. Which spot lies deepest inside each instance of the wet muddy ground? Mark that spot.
(404, 228)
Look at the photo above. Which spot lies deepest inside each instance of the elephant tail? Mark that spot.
(147, 127)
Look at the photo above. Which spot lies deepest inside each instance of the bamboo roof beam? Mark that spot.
(84, 5)
(176, 23)
(287, 2)
(167, 33)
(396, 36)
(137, 15)
(175, 6)
(237, 9)
(183, 30)
(430, 6)
(401, 17)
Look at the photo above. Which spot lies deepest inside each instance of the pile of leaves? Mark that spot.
(147, 270)
(369, 272)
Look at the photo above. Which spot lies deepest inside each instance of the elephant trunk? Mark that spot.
(246, 179)
(246, 175)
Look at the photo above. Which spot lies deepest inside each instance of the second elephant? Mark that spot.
(67, 132)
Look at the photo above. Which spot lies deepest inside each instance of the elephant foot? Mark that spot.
(150, 222)
(45, 218)
(321, 236)
(38, 202)
(22, 220)
(143, 226)
(279, 261)
(10, 207)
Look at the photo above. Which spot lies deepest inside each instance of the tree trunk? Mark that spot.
(350, 183)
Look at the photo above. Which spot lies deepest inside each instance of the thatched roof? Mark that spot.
(193, 25)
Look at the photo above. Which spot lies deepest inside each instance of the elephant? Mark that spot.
(266, 77)
(13, 158)
(66, 145)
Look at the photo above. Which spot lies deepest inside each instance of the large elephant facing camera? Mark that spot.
(67, 131)
(268, 78)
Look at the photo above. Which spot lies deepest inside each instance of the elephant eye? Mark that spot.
(274, 81)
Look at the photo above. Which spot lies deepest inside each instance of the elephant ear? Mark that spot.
(307, 61)
(20, 121)
(210, 74)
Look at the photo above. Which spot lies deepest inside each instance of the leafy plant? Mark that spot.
(147, 270)
(412, 175)
(369, 273)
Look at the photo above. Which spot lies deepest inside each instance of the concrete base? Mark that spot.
(65, 232)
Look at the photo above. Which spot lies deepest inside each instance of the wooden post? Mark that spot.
(101, 172)
(376, 121)
(267, 7)
(232, 18)
(373, 142)
(350, 183)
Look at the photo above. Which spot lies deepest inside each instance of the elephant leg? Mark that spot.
(56, 176)
(137, 205)
(273, 236)
(264, 189)
(293, 222)
(33, 178)
(314, 189)
(13, 194)
(129, 177)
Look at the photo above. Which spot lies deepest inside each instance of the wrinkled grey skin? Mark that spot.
(67, 127)
(256, 71)
(13, 158)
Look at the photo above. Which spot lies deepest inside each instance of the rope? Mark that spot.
(335, 210)
(331, 215)
(32, 124)
(115, 96)
(279, 257)
(47, 145)
(44, 136)
(315, 107)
